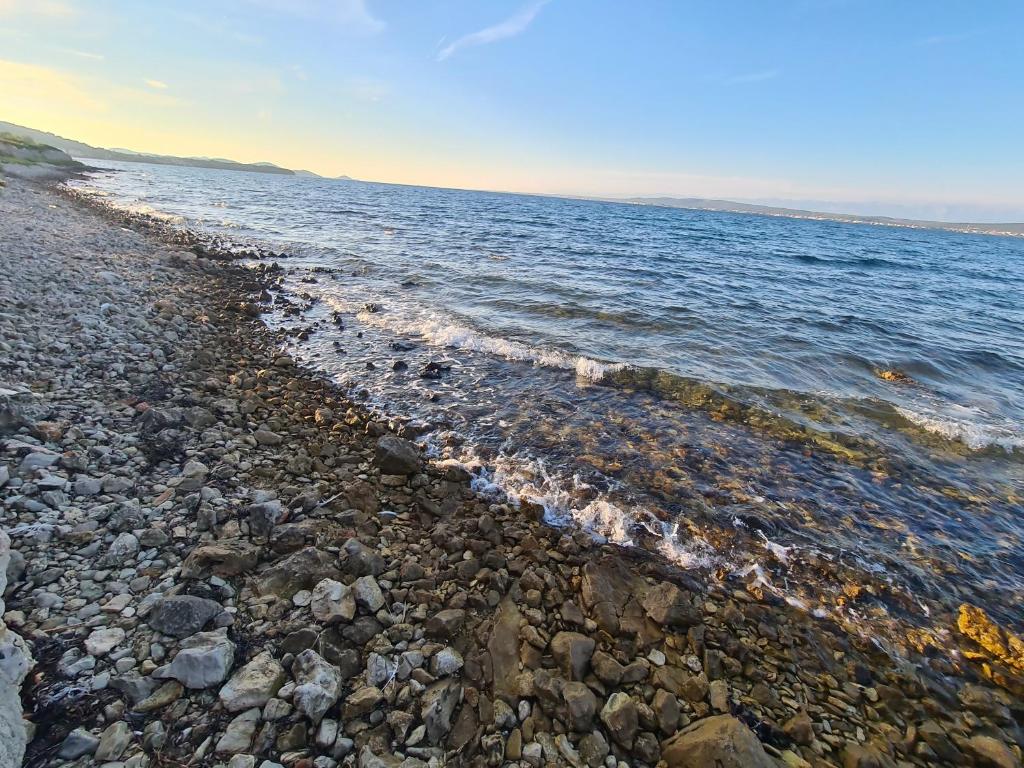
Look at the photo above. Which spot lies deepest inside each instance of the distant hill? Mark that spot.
(702, 204)
(79, 149)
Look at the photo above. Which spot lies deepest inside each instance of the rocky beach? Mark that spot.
(212, 556)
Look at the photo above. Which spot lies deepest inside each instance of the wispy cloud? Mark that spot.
(954, 37)
(754, 77)
(159, 85)
(510, 27)
(352, 15)
(83, 54)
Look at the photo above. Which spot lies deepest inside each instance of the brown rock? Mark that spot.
(228, 557)
(721, 741)
(580, 706)
(669, 606)
(606, 668)
(666, 709)
(446, 624)
(992, 752)
(1004, 646)
(301, 570)
(619, 716)
(572, 652)
(800, 729)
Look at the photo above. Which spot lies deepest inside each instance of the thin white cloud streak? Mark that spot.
(352, 15)
(510, 27)
(158, 84)
(82, 54)
(754, 77)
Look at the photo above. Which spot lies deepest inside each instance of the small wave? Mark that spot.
(976, 436)
(441, 331)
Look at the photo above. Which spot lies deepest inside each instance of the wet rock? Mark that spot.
(204, 660)
(991, 752)
(318, 685)
(669, 606)
(1006, 647)
(572, 652)
(721, 740)
(254, 684)
(182, 615)
(395, 456)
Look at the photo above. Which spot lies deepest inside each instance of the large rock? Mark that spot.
(182, 615)
(318, 685)
(360, 560)
(225, 558)
(239, 733)
(332, 602)
(607, 587)
(254, 684)
(15, 662)
(503, 645)
(395, 456)
(302, 570)
(205, 659)
(722, 741)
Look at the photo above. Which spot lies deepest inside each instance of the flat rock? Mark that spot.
(204, 659)
(318, 685)
(182, 615)
(332, 602)
(721, 740)
(254, 684)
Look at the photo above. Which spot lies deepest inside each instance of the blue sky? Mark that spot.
(910, 108)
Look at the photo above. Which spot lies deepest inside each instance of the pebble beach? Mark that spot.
(212, 556)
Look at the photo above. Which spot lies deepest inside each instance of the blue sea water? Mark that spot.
(706, 384)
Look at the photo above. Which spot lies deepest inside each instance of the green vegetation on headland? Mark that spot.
(80, 149)
(23, 156)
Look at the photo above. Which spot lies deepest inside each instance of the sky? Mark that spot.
(909, 108)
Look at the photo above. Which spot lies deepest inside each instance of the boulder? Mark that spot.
(254, 684)
(182, 615)
(721, 740)
(15, 662)
(395, 456)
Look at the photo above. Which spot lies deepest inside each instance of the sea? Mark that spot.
(828, 413)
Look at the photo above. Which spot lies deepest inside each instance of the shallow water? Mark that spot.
(706, 384)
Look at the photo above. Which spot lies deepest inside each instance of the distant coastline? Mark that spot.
(729, 206)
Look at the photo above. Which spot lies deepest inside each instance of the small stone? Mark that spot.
(799, 728)
(368, 594)
(362, 701)
(445, 662)
(102, 641)
(446, 624)
(580, 705)
(395, 456)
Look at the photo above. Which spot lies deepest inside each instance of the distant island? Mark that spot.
(729, 206)
(86, 151)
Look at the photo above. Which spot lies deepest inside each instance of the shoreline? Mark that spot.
(587, 651)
